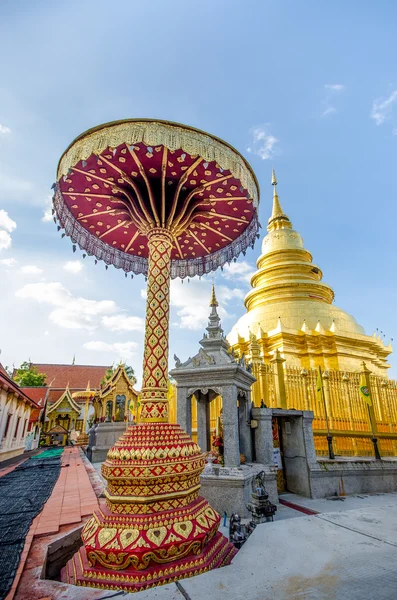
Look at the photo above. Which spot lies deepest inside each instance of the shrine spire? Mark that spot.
(214, 301)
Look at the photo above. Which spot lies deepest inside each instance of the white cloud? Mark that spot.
(192, 302)
(334, 87)
(4, 129)
(6, 222)
(125, 350)
(8, 262)
(263, 142)
(331, 91)
(7, 226)
(122, 322)
(73, 266)
(69, 311)
(47, 213)
(5, 240)
(382, 108)
(238, 271)
(31, 270)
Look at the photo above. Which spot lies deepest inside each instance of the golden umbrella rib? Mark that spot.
(216, 215)
(149, 188)
(197, 190)
(113, 228)
(198, 241)
(111, 198)
(98, 213)
(180, 226)
(90, 193)
(163, 174)
(136, 217)
(179, 187)
(130, 182)
(178, 247)
(216, 231)
(132, 240)
(228, 199)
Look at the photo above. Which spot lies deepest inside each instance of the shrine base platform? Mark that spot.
(107, 435)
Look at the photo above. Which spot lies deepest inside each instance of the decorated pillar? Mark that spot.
(184, 409)
(304, 374)
(281, 395)
(327, 399)
(155, 359)
(346, 380)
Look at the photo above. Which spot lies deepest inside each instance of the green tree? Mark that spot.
(128, 369)
(28, 376)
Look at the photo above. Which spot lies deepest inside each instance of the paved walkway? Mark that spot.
(72, 499)
(346, 554)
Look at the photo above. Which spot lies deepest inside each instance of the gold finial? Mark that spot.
(278, 219)
(214, 301)
(88, 386)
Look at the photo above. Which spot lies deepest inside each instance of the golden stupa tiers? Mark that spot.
(290, 309)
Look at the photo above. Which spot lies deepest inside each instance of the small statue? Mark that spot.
(236, 535)
(258, 484)
(263, 405)
(109, 410)
(120, 408)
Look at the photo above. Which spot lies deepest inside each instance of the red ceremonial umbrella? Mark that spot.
(165, 200)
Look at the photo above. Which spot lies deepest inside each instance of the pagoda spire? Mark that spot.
(214, 328)
(214, 301)
(278, 219)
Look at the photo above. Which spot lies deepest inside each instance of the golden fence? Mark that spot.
(348, 416)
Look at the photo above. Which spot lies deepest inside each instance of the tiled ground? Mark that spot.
(71, 501)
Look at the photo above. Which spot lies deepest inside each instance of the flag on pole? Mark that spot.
(364, 391)
(319, 386)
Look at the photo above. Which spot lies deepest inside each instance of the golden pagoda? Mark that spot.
(290, 309)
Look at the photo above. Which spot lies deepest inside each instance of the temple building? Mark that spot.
(15, 412)
(116, 399)
(291, 328)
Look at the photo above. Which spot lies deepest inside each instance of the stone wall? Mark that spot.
(352, 476)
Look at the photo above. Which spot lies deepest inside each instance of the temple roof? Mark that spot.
(66, 395)
(77, 376)
(113, 381)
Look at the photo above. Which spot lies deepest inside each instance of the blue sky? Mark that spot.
(316, 82)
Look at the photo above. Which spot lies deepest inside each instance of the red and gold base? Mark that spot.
(154, 527)
(79, 571)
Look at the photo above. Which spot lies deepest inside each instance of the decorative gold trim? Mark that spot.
(146, 499)
(173, 136)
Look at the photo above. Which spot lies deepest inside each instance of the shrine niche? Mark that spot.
(62, 417)
(213, 392)
(116, 399)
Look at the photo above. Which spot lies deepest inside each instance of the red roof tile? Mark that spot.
(77, 376)
(37, 394)
(8, 384)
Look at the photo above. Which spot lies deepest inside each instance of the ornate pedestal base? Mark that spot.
(78, 571)
(155, 528)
